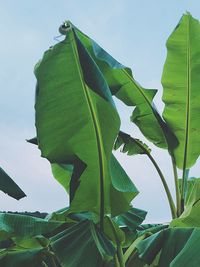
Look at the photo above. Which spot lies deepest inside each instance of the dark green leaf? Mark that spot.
(131, 219)
(8, 186)
(18, 257)
(178, 247)
(82, 245)
(130, 145)
(12, 225)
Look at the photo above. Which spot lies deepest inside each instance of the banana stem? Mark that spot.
(132, 247)
(165, 185)
(119, 257)
(178, 195)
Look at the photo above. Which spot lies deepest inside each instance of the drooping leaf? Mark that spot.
(122, 190)
(8, 186)
(74, 107)
(130, 145)
(178, 247)
(82, 245)
(124, 87)
(131, 219)
(181, 95)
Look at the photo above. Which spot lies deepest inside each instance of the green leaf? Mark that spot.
(190, 216)
(123, 190)
(62, 173)
(181, 95)
(130, 145)
(131, 219)
(74, 107)
(8, 186)
(124, 87)
(178, 247)
(18, 257)
(82, 245)
(12, 225)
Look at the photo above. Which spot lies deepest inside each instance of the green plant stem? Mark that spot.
(178, 196)
(132, 247)
(116, 261)
(168, 193)
(120, 256)
(184, 188)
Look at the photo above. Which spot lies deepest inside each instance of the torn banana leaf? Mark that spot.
(74, 108)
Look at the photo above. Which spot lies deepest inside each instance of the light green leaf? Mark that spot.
(181, 95)
(62, 173)
(8, 186)
(124, 87)
(190, 216)
(74, 107)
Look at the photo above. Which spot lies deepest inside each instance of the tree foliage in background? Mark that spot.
(78, 126)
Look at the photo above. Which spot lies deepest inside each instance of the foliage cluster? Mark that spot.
(78, 127)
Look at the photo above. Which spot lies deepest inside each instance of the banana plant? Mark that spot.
(78, 126)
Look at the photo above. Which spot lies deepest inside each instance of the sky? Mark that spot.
(135, 33)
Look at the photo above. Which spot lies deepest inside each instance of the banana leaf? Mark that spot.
(74, 107)
(181, 93)
(131, 219)
(19, 257)
(82, 245)
(178, 247)
(131, 146)
(62, 173)
(8, 186)
(22, 226)
(124, 87)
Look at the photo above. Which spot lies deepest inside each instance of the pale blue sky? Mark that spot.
(134, 32)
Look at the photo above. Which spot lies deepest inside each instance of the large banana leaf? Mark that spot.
(181, 82)
(124, 87)
(82, 245)
(8, 186)
(178, 247)
(76, 121)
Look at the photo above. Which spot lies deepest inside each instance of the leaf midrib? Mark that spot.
(187, 107)
(95, 125)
